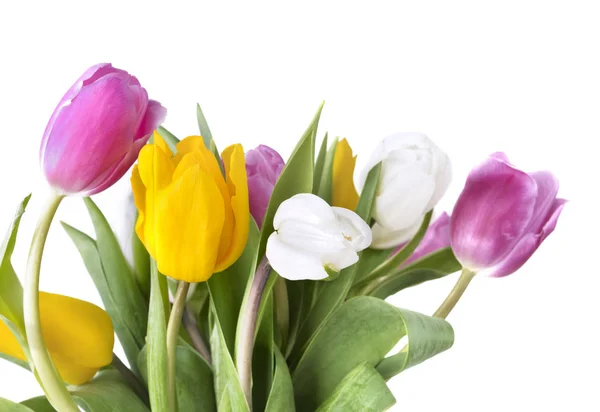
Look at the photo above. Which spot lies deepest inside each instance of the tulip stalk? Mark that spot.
(191, 327)
(244, 345)
(455, 294)
(172, 335)
(50, 380)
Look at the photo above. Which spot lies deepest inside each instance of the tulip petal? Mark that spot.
(303, 207)
(155, 115)
(344, 192)
(293, 263)
(491, 214)
(9, 345)
(237, 182)
(384, 238)
(354, 229)
(437, 237)
(191, 220)
(547, 185)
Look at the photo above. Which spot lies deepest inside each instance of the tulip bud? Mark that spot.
(415, 174)
(79, 337)
(437, 237)
(502, 216)
(343, 191)
(313, 239)
(263, 166)
(97, 131)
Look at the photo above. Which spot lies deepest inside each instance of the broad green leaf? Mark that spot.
(434, 266)
(362, 390)
(156, 356)
(8, 406)
(228, 388)
(39, 404)
(281, 397)
(333, 293)
(395, 260)
(141, 264)
(227, 288)
(107, 392)
(262, 357)
(195, 391)
(120, 295)
(369, 260)
(296, 177)
(170, 139)
(296, 303)
(326, 184)
(319, 165)
(363, 330)
(11, 292)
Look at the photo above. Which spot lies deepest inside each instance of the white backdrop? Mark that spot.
(518, 76)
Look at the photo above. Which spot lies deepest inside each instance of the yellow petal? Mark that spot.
(155, 170)
(160, 142)
(344, 193)
(237, 183)
(188, 145)
(191, 219)
(9, 344)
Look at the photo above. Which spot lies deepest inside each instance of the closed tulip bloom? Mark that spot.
(193, 221)
(263, 166)
(312, 238)
(502, 216)
(343, 191)
(437, 237)
(415, 174)
(79, 337)
(97, 131)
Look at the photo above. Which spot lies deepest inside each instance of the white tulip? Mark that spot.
(312, 238)
(415, 174)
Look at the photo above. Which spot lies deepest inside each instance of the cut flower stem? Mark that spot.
(172, 335)
(455, 294)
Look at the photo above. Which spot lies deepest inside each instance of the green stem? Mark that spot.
(172, 335)
(191, 326)
(131, 379)
(455, 294)
(51, 382)
(282, 310)
(244, 344)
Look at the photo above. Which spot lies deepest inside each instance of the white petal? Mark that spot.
(354, 227)
(443, 177)
(385, 238)
(317, 239)
(292, 263)
(340, 260)
(304, 207)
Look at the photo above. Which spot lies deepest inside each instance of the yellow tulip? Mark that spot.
(79, 337)
(193, 221)
(344, 192)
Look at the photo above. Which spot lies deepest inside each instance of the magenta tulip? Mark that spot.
(437, 237)
(502, 216)
(97, 131)
(263, 166)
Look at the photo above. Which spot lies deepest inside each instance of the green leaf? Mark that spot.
(319, 165)
(8, 406)
(262, 356)
(362, 390)
(203, 126)
(195, 391)
(11, 292)
(118, 290)
(228, 388)
(107, 392)
(333, 293)
(39, 404)
(434, 266)
(157, 342)
(393, 263)
(362, 330)
(296, 177)
(326, 184)
(170, 139)
(141, 264)
(281, 397)
(227, 288)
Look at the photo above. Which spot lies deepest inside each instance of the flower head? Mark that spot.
(343, 191)
(263, 166)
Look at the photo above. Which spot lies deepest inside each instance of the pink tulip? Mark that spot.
(97, 130)
(502, 216)
(437, 237)
(263, 166)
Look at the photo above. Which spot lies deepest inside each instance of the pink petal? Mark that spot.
(547, 185)
(154, 116)
(492, 213)
(437, 237)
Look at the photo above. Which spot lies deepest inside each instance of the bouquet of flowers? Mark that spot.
(254, 284)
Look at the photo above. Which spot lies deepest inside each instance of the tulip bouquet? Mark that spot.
(254, 283)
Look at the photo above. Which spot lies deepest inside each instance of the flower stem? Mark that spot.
(244, 345)
(282, 310)
(455, 294)
(172, 335)
(51, 382)
(131, 379)
(190, 325)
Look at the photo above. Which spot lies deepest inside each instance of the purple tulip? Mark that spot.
(437, 237)
(263, 166)
(502, 216)
(97, 131)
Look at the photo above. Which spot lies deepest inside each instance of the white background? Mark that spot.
(477, 77)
